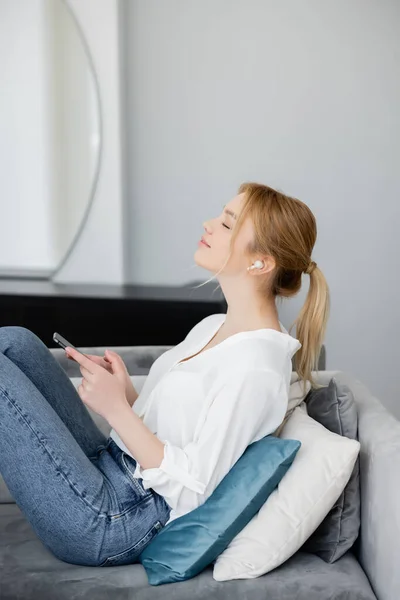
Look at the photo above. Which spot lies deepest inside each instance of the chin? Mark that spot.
(201, 260)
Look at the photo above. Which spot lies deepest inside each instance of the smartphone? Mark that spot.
(64, 342)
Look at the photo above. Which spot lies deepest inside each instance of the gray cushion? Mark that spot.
(334, 407)
(29, 571)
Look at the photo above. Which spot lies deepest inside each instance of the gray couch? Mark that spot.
(368, 571)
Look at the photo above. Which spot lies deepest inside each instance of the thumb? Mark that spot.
(113, 358)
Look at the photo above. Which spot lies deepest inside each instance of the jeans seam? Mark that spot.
(18, 409)
(128, 509)
(141, 491)
(155, 528)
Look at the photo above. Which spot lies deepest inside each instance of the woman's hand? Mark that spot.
(100, 390)
(99, 360)
(130, 392)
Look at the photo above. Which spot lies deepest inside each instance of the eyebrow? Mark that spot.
(229, 212)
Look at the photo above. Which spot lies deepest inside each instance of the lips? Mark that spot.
(203, 240)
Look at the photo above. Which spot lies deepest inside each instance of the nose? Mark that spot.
(205, 227)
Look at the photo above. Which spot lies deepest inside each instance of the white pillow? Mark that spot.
(304, 496)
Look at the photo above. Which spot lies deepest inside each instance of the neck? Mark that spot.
(246, 311)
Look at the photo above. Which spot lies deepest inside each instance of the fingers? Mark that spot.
(81, 359)
(85, 373)
(99, 360)
(112, 354)
(116, 357)
(95, 358)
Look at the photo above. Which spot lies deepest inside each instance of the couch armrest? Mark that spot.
(379, 542)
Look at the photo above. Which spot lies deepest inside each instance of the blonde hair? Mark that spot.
(285, 228)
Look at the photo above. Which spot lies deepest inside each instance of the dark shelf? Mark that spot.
(107, 315)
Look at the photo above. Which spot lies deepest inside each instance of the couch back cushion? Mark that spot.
(335, 408)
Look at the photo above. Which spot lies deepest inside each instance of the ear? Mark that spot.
(269, 264)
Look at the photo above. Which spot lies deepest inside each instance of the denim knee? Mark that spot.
(19, 336)
(19, 332)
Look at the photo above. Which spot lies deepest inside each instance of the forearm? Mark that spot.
(131, 393)
(144, 446)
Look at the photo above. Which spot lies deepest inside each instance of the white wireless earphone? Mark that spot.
(257, 265)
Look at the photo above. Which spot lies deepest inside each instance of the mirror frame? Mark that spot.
(96, 174)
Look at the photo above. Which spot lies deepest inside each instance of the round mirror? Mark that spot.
(50, 135)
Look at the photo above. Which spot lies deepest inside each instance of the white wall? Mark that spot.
(74, 119)
(303, 96)
(25, 195)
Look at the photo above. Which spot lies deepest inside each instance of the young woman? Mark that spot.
(99, 501)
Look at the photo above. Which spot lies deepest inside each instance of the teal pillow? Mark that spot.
(191, 542)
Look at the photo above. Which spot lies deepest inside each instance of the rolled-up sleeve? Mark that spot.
(244, 408)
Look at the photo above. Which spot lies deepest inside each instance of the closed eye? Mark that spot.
(225, 226)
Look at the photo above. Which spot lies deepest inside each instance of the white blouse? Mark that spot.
(208, 409)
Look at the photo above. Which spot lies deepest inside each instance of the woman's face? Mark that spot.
(217, 234)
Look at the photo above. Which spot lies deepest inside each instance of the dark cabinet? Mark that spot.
(100, 315)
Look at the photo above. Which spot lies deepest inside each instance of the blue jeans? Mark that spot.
(74, 486)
